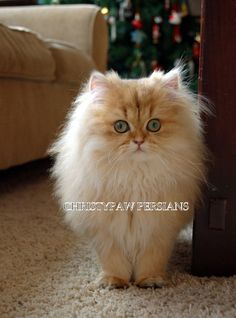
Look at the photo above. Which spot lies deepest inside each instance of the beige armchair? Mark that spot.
(41, 72)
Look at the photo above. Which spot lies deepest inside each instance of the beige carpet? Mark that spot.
(46, 272)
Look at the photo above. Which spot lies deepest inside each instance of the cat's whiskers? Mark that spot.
(156, 151)
(198, 175)
(112, 158)
(192, 165)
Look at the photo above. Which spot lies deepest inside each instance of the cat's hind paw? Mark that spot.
(151, 282)
(111, 282)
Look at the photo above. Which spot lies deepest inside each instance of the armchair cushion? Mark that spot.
(24, 55)
(72, 65)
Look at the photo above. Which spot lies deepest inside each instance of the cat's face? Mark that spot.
(137, 119)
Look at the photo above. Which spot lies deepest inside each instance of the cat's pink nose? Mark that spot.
(138, 142)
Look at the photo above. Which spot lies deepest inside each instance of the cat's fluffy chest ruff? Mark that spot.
(131, 185)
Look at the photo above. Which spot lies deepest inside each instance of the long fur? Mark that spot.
(95, 163)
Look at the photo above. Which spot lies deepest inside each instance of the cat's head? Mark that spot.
(139, 120)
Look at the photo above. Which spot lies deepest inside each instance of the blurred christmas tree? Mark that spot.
(149, 35)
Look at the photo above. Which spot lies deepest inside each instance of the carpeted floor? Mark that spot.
(46, 272)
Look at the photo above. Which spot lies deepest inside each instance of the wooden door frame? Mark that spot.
(214, 232)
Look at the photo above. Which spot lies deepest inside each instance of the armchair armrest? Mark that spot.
(81, 25)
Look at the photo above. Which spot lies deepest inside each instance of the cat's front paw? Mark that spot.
(151, 282)
(111, 282)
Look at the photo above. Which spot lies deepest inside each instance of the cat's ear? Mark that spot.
(97, 81)
(172, 79)
(156, 75)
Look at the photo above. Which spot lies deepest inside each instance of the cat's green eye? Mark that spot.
(154, 125)
(121, 126)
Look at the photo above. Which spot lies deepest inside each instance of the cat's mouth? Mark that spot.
(139, 149)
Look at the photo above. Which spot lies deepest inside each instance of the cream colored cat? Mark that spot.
(131, 140)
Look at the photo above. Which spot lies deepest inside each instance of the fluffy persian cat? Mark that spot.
(131, 141)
